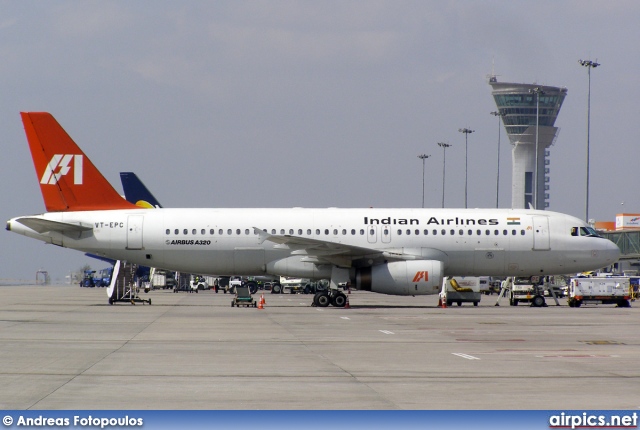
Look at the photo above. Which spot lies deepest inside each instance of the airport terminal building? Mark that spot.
(529, 113)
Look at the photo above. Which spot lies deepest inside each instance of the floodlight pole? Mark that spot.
(498, 115)
(589, 65)
(466, 132)
(444, 147)
(423, 157)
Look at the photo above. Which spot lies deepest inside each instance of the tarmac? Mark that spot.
(65, 347)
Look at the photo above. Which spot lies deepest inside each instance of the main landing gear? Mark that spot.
(336, 298)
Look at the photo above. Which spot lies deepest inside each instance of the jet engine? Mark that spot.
(402, 278)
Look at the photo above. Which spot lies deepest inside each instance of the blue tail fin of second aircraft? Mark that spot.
(135, 192)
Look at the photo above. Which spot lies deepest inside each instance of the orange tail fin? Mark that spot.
(68, 179)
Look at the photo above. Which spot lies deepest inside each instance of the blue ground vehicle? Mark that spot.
(88, 279)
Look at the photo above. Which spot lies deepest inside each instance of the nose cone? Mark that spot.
(611, 252)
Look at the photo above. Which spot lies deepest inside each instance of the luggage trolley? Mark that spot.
(243, 297)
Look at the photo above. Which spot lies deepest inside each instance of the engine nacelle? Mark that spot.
(294, 267)
(402, 278)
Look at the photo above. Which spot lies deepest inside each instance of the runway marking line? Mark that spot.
(386, 332)
(467, 356)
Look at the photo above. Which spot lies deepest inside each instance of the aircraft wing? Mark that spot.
(43, 225)
(327, 252)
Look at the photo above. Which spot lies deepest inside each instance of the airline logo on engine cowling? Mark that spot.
(421, 276)
(60, 165)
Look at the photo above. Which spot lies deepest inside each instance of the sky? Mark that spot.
(313, 103)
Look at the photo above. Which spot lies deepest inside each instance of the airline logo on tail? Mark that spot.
(63, 163)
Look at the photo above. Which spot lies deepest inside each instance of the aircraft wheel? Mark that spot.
(339, 300)
(459, 303)
(322, 299)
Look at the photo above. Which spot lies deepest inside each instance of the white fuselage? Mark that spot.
(469, 242)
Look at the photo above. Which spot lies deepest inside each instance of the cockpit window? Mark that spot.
(584, 231)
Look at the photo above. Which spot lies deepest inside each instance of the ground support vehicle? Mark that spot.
(532, 290)
(600, 290)
(463, 289)
(243, 297)
(198, 282)
(161, 279)
(88, 279)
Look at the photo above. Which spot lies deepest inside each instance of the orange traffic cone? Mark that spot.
(443, 303)
(346, 305)
(260, 305)
(264, 302)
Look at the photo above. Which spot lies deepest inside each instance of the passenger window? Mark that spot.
(290, 231)
(487, 232)
(344, 232)
(470, 232)
(461, 232)
(282, 231)
(308, 232)
(479, 232)
(435, 232)
(521, 232)
(417, 232)
(362, 232)
(246, 231)
(185, 231)
(408, 232)
(386, 231)
(211, 232)
(353, 232)
(496, 232)
(168, 231)
(273, 231)
(399, 232)
(229, 232)
(372, 232)
(326, 232)
(176, 231)
(443, 232)
(335, 231)
(426, 232)
(237, 231)
(193, 231)
(220, 232)
(453, 232)
(203, 231)
(505, 232)
(317, 232)
(513, 232)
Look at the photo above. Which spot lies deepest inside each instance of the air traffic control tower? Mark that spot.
(522, 114)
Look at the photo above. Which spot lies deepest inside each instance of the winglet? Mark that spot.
(68, 179)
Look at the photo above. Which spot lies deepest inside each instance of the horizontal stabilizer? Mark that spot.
(43, 225)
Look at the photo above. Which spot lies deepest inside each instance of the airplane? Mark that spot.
(389, 251)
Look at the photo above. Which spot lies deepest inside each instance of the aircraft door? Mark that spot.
(372, 233)
(386, 234)
(134, 231)
(541, 239)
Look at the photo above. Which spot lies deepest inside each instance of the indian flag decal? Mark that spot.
(513, 221)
